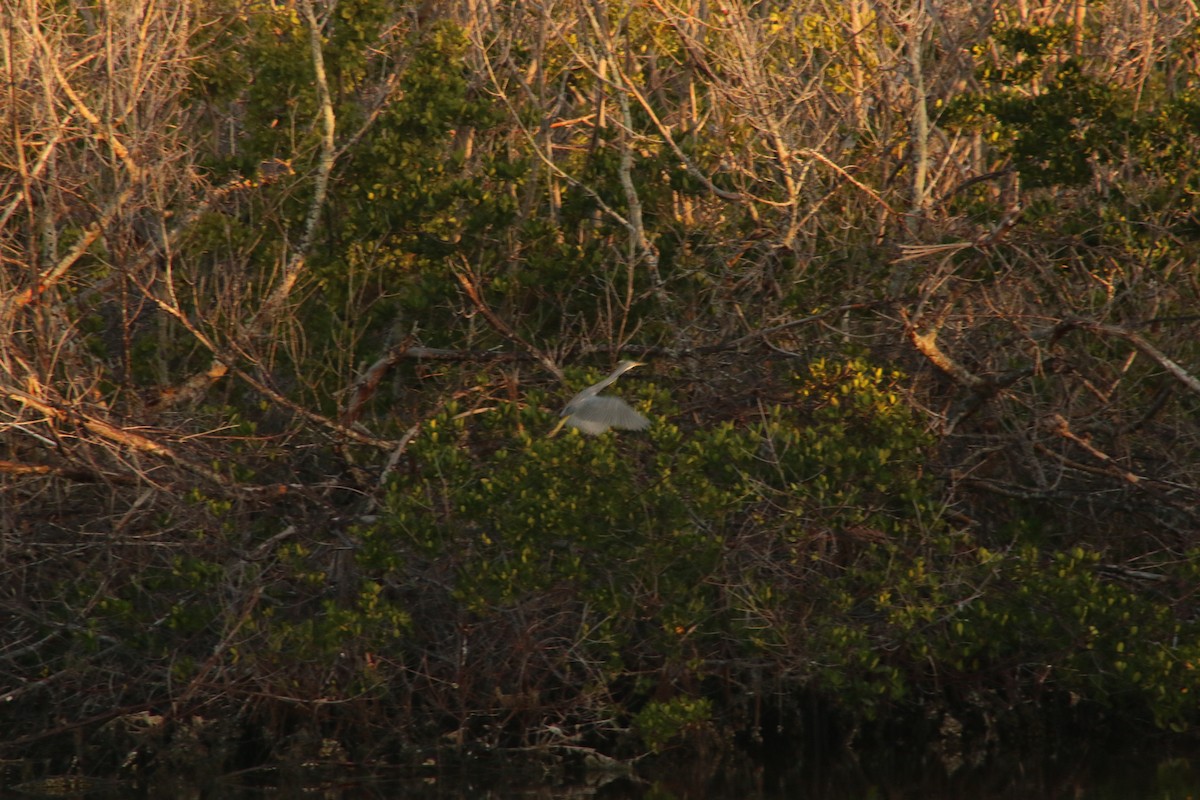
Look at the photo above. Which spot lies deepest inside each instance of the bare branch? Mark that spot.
(1143, 346)
(120, 436)
(470, 285)
(325, 162)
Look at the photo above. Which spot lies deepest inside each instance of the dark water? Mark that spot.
(1113, 777)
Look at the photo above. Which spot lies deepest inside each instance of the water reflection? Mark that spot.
(1117, 777)
(1108, 779)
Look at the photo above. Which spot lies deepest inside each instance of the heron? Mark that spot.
(592, 414)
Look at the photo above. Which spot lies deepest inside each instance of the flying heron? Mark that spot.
(592, 414)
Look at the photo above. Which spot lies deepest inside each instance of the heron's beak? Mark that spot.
(557, 428)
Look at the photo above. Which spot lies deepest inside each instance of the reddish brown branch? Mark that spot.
(470, 285)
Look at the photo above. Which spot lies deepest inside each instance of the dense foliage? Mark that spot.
(291, 294)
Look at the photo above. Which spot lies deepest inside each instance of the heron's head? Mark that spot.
(627, 365)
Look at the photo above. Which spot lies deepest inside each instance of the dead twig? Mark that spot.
(470, 284)
(112, 433)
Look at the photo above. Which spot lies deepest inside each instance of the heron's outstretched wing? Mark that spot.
(597, 414)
